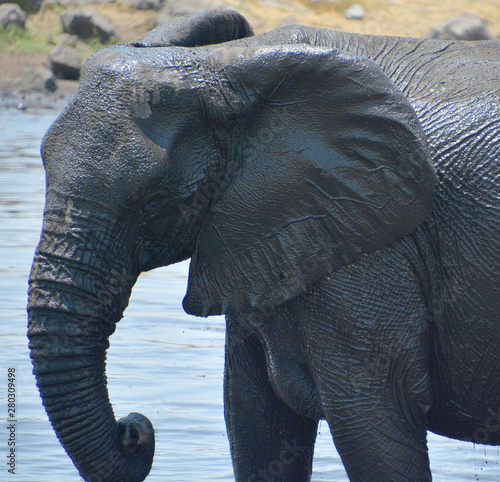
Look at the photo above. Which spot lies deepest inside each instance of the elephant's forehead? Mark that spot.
(144, 64)
(136, 79)
(124, 129)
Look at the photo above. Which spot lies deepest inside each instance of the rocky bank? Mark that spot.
(76, 28)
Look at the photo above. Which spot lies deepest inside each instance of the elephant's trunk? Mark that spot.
(75, 300)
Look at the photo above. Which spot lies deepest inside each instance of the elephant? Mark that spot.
(338, 196)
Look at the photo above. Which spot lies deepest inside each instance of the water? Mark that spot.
(162, 362)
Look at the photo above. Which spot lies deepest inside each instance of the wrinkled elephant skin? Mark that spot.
(338, 196)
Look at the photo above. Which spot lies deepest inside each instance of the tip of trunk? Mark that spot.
(131, 459)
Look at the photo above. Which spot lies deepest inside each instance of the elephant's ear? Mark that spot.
(332, 163)
(201, 28)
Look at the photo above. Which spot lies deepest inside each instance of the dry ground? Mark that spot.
(383, 17)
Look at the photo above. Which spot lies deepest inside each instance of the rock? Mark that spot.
(31, 6)
(464, 27)
(356, 12)
(47, 4)
(86, 23)
(11, 14)
(65, 62)
(39, 80)
(67, 39)
(174, 9)
(75, 42)
(145, 4)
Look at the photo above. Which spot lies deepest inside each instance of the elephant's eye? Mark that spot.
(155, 203)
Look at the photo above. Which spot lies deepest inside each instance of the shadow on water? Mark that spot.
(162, 362)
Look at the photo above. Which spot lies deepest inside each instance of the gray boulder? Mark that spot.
(174, 9)
(356, 12)
(65, 62)
(39, 80)
(87, 23)
(68, 40)
(145, 4)
(464, 27)
(11, 14)
(73, 3)
(75, 42)
(31, 6)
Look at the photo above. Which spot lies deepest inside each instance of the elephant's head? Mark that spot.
(269, 166)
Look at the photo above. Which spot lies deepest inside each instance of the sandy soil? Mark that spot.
(383, 17)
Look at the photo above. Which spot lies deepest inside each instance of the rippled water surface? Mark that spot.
(162, 362)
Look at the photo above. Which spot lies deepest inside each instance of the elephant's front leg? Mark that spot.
(377, 443)
(369, 346)
(268, 440)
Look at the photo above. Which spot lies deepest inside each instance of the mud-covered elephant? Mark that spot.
(338, 196)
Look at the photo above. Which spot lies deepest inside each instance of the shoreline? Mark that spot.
(14, 67)
(23, 100)
(396, 18)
